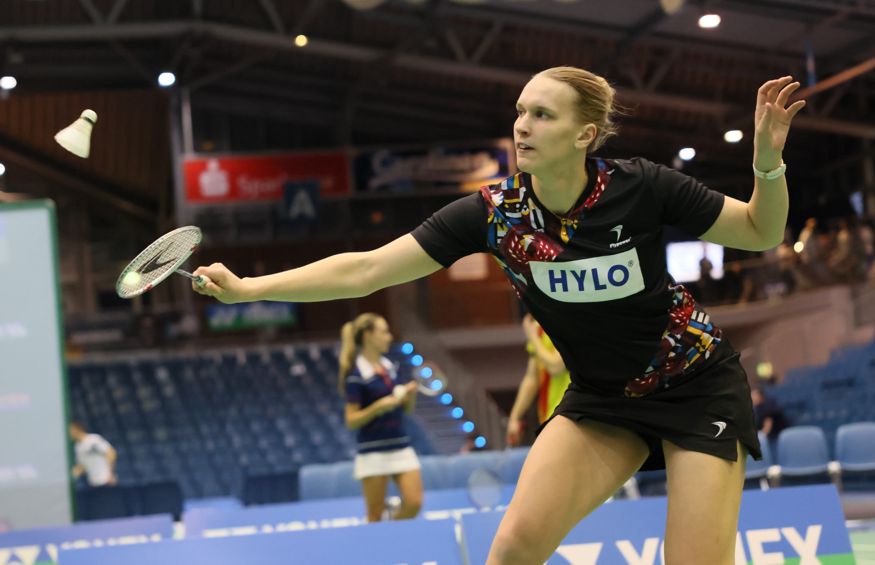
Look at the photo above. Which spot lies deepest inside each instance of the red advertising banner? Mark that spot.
(260, 178)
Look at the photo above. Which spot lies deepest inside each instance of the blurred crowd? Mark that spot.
(836, 252)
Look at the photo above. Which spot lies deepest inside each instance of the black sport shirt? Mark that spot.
(595, 278)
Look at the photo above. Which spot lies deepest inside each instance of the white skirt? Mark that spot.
(380, 463)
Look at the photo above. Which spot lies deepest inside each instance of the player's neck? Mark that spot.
(559, 190)
(372, 356)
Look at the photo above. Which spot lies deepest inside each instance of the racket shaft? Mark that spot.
(199, 279)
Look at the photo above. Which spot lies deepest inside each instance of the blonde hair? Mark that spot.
(596, 97)
(350, 340)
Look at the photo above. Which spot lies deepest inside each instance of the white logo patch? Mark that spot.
(618, 229)
(598, 279)
(720, 427)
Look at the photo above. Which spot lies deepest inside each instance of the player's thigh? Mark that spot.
(704, 496)
(410, 487)
(571, 469)
(374, 489)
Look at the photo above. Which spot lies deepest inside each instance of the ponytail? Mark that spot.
(350, 341)
(347, 354)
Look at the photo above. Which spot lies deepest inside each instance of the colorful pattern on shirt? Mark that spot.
(520, 232)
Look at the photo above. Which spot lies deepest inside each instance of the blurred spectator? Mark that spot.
(95, 457)
(848, 259)
(708, 290)
(770, 417)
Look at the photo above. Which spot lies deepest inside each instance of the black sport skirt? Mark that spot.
(707, 410)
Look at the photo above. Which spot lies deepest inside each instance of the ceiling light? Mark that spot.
(709, 21)
(687, 153)
(166, 79)
(733, 136)
(8, 82)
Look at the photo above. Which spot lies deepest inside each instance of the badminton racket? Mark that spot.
(430, 379)
(484, 488)
(158, 261)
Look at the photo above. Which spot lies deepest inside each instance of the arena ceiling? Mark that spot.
(429, 70)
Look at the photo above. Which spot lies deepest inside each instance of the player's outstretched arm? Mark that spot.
(759, 224)
(347, 275)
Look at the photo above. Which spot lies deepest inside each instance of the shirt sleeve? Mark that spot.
(456, 230)
(683, 201)
(353, 390)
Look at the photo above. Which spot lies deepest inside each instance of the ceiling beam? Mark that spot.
(366, 54)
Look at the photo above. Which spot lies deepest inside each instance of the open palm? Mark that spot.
(772, 119)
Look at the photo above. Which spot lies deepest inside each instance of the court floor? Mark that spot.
(863, 541)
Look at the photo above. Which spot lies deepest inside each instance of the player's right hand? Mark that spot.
(387, 404)
(223, 285)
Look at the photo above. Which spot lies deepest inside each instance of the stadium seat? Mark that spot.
(803, 455)
(855, 453)
(317, 481)
(756, 473)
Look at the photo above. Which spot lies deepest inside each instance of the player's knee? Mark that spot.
(375, 512)
(413, 501)
(516, 545)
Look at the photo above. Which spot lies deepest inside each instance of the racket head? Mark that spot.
(430, 379)
(158, 261)
(484, 488)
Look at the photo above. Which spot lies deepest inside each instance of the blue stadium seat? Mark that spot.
(855, 446)
(652, 483)
(434, 472)
(345, 483)
(756, 472)
(855, 452)
(317, 481)
(803, 455)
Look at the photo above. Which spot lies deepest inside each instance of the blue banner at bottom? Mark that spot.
(410, 542)
(781, 526)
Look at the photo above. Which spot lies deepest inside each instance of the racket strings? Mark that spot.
(154, 262)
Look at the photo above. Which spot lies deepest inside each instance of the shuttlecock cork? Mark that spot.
(76, 138)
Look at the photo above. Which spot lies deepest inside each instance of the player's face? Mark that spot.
(380, 338)
(548, 131)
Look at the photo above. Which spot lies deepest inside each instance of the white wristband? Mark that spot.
(770, 175)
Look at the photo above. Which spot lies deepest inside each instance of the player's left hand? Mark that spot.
(772, 121)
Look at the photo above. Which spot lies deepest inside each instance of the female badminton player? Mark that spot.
(374, 405)
(654, 382)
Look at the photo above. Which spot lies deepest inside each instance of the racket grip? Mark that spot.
(202, 281)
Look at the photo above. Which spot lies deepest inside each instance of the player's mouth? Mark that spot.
(524, 147)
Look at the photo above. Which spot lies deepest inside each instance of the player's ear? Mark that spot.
(585, 136)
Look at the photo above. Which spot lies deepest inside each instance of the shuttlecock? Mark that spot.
(76, 138)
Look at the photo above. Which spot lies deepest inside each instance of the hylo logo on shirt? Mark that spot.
(598, 279)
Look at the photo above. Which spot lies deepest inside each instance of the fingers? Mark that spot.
(769, 90)
(784, 94)
(211, 279)
(794, 108)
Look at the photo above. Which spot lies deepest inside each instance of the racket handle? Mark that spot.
(200, 280)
